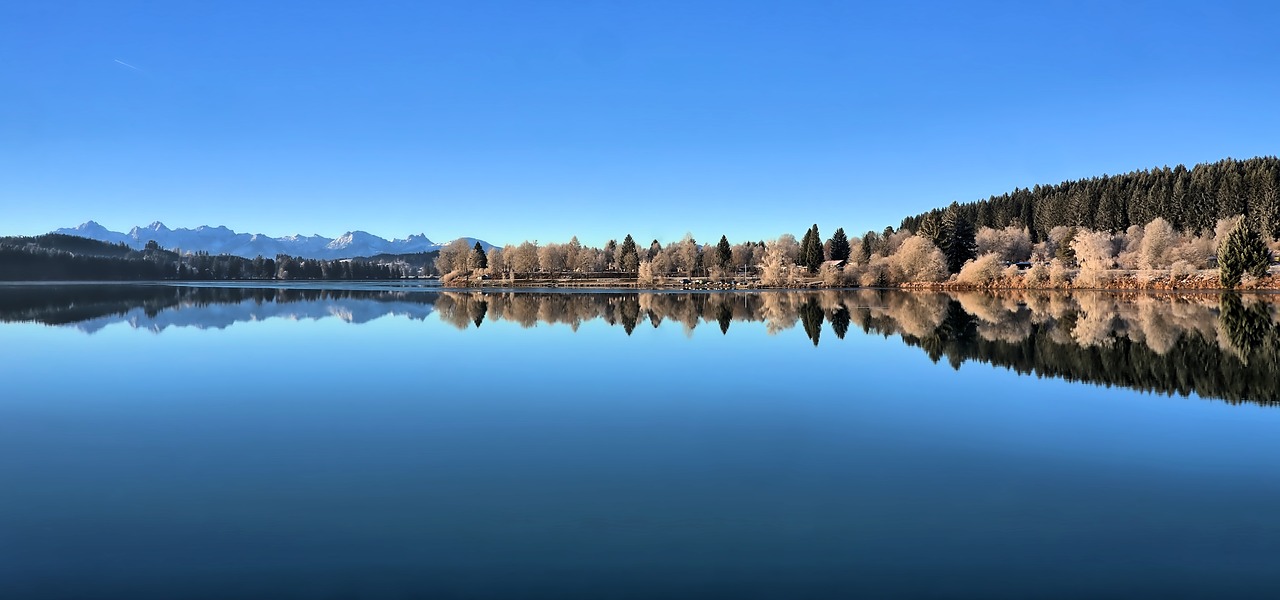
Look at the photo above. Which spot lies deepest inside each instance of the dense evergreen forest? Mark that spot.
(1191, 200)
(57, 257)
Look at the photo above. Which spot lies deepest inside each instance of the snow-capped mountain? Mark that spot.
(221, 240)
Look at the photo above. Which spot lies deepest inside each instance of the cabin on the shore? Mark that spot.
(835, 264)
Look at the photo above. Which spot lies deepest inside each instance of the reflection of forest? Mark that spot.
(70, 304)
(1216, 346)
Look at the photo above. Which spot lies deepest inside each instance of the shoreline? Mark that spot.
(1116, 281)
(1205, 281)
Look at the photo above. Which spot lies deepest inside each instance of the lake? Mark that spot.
(389, 441)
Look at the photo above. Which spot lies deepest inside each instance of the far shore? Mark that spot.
(1205, 280)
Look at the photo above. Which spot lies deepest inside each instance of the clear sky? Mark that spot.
(541, 120)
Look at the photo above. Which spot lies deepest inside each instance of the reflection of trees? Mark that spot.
(1163, 344)
(1166, 344)
(1248, 330)
(811, 317)
(1225, 347)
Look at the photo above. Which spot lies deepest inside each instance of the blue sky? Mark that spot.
(541, 120)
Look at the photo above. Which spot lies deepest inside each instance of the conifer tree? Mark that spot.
(803, 258)
(724, 253)
(958, 239)
(1242, 252)
(610, 253)
(628, 257)
(811, 249)
(478, 257)
(839, 245)
(868, 247)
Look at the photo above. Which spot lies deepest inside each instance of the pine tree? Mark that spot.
(724, 253)
(811, 249)
(868, 247)
(803, 258)
(610, 254)
(958, 243)
(628, 257)
(839, 245)
(478, 257)
(1242, 252)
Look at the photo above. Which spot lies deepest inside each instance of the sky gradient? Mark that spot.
(542, 120)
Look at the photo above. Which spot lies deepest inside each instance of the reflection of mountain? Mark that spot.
(158, 307)
(1221, 347)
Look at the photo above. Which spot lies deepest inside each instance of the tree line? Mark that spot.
(1192, 200)
(57, 257)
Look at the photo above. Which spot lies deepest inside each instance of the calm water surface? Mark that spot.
(365, 442)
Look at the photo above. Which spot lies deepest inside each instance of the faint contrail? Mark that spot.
(126, 64)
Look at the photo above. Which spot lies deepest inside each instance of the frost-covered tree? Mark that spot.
(985, 270)
(524, 258)
(496, 260)
(917, 259)
(456, 256)
(775, 268)
(551, 258)
(688, 256)
(1012, 244)
(1158, 238)
(571, 252)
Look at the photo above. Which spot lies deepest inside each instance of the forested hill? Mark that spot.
(57, 257)
(1189, 199)
(69, 243)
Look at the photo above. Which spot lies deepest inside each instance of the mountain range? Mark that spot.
(220, 240)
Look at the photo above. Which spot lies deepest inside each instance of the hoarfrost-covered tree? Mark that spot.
(551, 258)
(775, 268)
(687, 254)
(917, 259)
(456, 256)
(497, 260)
(524, 258)
(1158, 238)
(571, 252)
(1012, 243)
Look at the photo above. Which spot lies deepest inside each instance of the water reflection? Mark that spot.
(1225, 347)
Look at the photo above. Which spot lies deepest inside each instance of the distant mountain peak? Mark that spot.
(223, 240)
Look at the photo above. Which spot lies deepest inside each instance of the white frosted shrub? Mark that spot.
(982, 271)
